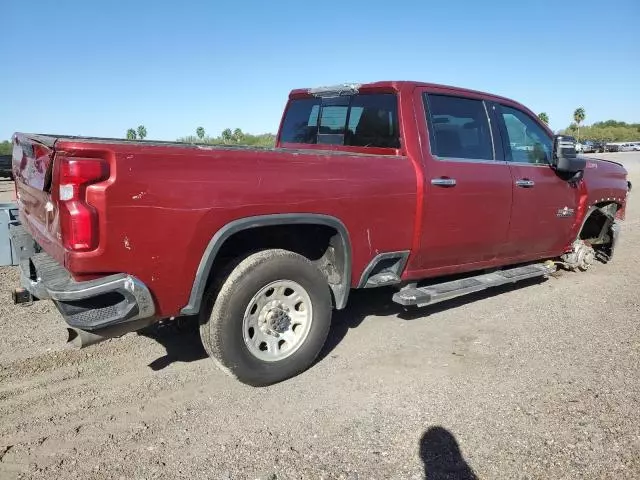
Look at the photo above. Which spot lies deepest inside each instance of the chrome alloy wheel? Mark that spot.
(277, 320)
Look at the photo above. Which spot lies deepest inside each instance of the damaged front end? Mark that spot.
(597, 239)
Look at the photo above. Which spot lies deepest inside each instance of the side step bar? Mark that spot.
(413, 296)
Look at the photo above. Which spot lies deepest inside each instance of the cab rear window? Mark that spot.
(367, 120)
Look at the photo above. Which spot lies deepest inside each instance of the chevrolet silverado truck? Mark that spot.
(438, 191)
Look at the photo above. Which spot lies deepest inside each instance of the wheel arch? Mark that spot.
(597, 220)
(340, 290)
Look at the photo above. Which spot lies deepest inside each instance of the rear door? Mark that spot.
(544, 204)
(467, 187)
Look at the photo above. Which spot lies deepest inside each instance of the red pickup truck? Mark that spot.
(386, 183)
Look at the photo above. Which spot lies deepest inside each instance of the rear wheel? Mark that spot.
(270, 317)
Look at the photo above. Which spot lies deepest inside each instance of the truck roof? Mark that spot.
(393, 85)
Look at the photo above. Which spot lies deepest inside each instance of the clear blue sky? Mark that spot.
(99, 67)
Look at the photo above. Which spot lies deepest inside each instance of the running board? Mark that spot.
(413, 296)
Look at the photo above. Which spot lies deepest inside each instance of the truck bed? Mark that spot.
(164, 201)
(50, 140)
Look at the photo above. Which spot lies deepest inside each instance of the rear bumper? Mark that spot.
(92, 305)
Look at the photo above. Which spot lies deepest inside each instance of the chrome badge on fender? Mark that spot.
(565, 212)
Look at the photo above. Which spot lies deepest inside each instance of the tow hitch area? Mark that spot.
(21, 295)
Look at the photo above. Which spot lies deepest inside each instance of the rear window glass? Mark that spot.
(357, 120)
(458, 127)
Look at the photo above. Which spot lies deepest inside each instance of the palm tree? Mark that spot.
(544, 117)
(142, 132)
(131, 134)
(227, 135)
(578, 116)
(200, 132)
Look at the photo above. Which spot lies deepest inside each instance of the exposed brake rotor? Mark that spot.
(581, 257)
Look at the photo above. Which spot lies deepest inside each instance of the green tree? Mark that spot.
(142, 132)
(238, 135)
(6, 148)
(578, 116)
(544, 117)
(571, 129)
(609, 131)
(131, 134)
(265, 140)
(200, 132)
(227, 135)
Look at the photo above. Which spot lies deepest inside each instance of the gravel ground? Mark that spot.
(539, 381)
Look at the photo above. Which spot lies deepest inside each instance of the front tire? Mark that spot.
(269, 319)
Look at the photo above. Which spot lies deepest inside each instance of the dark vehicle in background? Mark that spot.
(589, 147)
(5, 167)
(612, 147)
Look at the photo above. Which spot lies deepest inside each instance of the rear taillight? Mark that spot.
(78, 219)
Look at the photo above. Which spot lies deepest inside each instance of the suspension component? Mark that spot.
(581, 256)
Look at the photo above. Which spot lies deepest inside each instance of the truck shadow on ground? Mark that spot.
(377, 301)
(442, 458)
(181, 339)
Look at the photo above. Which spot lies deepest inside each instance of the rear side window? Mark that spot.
(356, 120)
(458, 127)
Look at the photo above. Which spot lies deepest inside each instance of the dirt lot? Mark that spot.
(539, 381)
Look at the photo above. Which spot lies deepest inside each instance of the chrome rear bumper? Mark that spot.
(89, 305)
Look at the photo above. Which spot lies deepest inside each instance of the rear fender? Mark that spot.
(340, 291)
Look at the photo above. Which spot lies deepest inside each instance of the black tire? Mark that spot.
(221, 319)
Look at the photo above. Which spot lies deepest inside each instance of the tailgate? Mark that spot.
(32, 165)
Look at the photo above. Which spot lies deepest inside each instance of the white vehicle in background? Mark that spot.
(589, 146)
(636, 147)
(627, 147)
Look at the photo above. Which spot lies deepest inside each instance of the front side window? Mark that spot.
(528, 141)
(367, 120)
(458, 127)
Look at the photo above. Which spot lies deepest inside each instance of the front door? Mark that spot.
(467, 185)
(544, 204)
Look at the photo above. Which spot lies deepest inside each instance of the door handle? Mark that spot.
(525, 183)
(443, 182)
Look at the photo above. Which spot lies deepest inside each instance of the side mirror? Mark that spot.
(565, 158)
